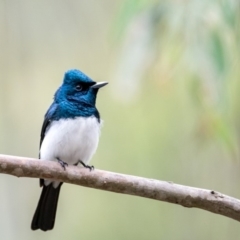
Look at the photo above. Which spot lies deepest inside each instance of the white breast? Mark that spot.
(71, 140)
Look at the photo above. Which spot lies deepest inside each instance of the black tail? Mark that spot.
(44, 216)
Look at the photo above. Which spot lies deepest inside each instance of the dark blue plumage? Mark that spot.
(69, 134)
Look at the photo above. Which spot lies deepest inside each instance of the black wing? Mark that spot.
(49, 116)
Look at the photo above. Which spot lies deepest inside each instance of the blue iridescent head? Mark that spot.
(78, 87)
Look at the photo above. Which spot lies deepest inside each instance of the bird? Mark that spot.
(69, 135)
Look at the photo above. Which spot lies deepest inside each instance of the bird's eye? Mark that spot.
(79, 87)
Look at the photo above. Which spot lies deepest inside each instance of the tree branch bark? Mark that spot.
(190, 197)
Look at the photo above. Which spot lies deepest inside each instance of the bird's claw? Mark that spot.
(62, 163)
(87, 166)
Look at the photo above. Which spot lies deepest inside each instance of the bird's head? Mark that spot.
(78, 87)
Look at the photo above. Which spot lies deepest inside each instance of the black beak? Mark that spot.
(99, 85)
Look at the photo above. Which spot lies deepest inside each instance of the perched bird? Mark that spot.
(70, 134)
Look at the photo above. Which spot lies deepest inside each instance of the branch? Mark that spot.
(190, 197)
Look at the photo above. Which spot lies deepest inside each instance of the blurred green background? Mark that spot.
(171, 110)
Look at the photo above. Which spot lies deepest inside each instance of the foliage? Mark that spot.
(193, 41)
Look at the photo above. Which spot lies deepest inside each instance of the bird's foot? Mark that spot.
(62, 163)
(86, 166)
